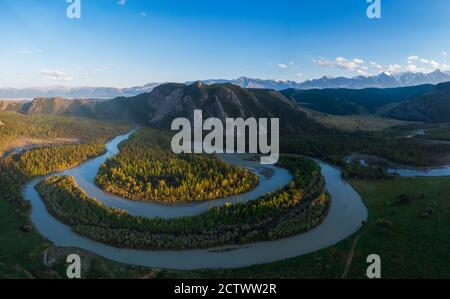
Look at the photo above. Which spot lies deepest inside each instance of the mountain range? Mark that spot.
(426, 103)
(85, 92)
(171, 100)
(383, 80)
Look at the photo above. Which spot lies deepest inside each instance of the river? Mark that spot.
(346, 215)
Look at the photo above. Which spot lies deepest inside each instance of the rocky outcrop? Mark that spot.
(222, 101)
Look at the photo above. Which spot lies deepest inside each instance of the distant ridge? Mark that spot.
(426, 103)
(74, 92)
(383, 80)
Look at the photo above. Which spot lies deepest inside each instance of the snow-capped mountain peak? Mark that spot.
(382, 80)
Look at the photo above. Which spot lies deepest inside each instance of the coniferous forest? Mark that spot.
(336, 147)
(146, 169)
(16, 169)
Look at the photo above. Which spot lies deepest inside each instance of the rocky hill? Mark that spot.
(168, 101)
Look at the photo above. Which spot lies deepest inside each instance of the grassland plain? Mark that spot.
(412, 237)
(355, 123)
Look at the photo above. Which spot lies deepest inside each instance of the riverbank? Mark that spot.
(401, 169)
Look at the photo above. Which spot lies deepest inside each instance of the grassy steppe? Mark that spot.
(411, 245)
(20, 253)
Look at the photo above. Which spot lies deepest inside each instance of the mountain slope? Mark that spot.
(59, 106)
(353, 101)
(433, 106)
(11, 105)
(169, 101)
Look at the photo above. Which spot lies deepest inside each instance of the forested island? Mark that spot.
(297, 208)
(146, 169)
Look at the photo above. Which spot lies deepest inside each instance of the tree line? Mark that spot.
(336, 147)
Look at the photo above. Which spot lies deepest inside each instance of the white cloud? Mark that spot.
(414, 63)
(299, 74)
(413, 68)
(56, 75)
(355, 64)
(122, 2)
(375, 65)
(363, 72)
(28, 51)
(419, 64)
(434, 64)
(394, 68)
(282, 65)
(444, 53)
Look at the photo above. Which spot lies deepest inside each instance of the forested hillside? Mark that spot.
(16, 169)
(433, 106)
(40, 128)
(354, 101)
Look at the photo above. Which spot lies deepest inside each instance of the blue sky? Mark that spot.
(139, 41)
